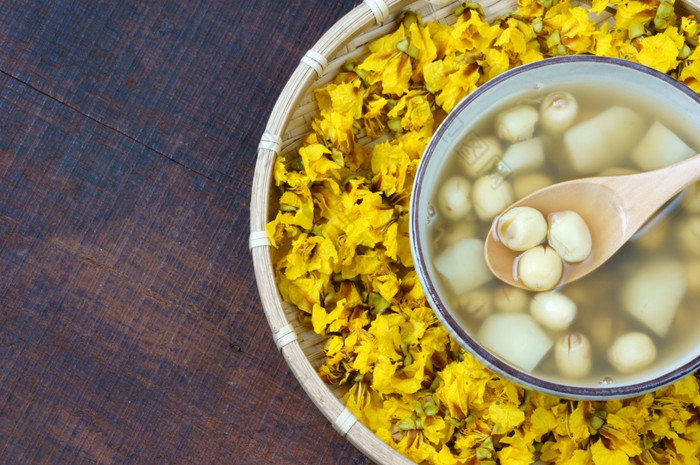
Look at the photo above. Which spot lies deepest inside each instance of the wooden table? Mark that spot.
(131, 331)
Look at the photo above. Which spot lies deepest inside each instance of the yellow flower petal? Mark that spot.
(603, 456)
(506, 415)
(660, 51)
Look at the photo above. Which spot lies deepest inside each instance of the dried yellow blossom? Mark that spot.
(660, 51)
(337, 129)
(472, 33)
(506, 416)
(453, 78)
(375, 113)
(418, 114)
(602, 455)
(342, 252)
(542, 422)
(690, 75)
(689, 26)
(317, 161)
(518, 450)
(572, 31)
(345, 98)
(529, 9)
(390, 165)
(634, 17)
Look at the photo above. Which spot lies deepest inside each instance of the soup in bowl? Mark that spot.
(630, 326)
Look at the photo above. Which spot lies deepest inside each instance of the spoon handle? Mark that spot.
(643, 194)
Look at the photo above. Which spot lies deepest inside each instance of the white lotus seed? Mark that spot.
(569, 236)
(476, 304)
(553, 310)
(491, 195)
(558, 112)
(453, 198)
(517, 123)
(511, 299)
(632, 352)
(476, 155)
(521, 228)
(540, 268)
(522, 156)
(572, 354)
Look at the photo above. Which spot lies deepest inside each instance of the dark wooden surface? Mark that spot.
(131, 331)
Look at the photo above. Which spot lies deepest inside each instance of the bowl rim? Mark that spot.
(494, 363)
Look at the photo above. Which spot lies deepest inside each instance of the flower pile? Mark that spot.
(341, 249)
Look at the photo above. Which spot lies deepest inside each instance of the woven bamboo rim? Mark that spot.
(289, 123)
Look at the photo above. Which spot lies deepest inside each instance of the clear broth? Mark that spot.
(597, 296)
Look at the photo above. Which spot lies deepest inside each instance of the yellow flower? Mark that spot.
(452, 79)
(365, 351)
(472, 34)
(388, 64)
(426, 51)
(634, 17)
(571, 28)
(389, 165)
(529, 9)
(310, 254)
(603, 456)
(302, 292)
(279, 172)
(576, 426)
(441, 35)
(303, 207)
(344, 97)
(690, 75)
(367, 407)
(337, 129)
(454, 392)
(506, 415)
(418, 114)
(317, 162)
(689, 26)
(660, 51)
(375, 115)
(512, 40)
(542, 421)
(519, 450)
(621, 434)
(494, 63)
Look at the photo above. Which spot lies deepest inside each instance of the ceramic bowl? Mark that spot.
(520, 83)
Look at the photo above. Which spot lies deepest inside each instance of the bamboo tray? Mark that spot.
(289, 123)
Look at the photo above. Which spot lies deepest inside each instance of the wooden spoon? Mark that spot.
(614, 207)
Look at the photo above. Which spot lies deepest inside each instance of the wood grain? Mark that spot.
(131, 331)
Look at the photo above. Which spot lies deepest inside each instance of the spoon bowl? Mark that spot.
(613, 207)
